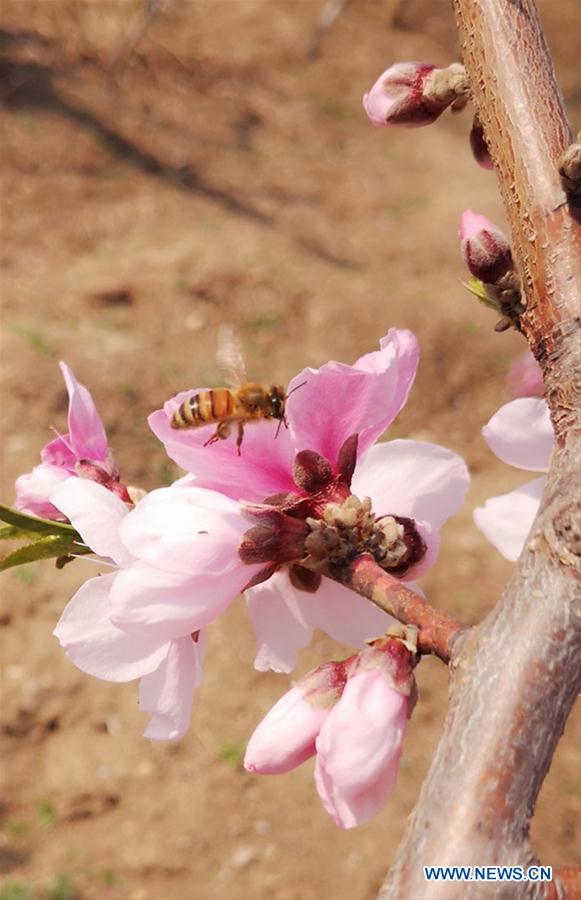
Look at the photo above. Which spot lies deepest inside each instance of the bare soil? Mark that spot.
(208, 174)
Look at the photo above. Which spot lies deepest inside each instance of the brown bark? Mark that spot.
(437, 632)
(519, 672)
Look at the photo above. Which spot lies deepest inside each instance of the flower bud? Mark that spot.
(485, 248)
(286, 736)
(479, 146)
(360, 744)
(414, 94)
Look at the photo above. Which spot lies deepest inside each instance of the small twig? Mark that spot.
(438, 633)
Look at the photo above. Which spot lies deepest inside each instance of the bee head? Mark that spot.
(277, 399)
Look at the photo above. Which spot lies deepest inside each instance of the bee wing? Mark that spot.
(229, 357)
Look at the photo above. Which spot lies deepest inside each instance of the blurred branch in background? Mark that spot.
(329, 15)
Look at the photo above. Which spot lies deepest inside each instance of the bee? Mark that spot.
(242, 402)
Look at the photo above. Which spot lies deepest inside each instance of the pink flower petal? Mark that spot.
(412, 478)
(286, 736)
(188, 530)
(346, 616)
(93, 643)
(172, 604)
(506, 520)
(339, 400)
(263, 468)
(167, 693)
(521, 434)
(525, 377)
(96, 513)
(359, 748)
(280, 623)
(34, 490)
(86, 431)
(59, 453)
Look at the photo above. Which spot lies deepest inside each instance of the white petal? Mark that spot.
(346, 616)
(96, 513)
(281, 628)
(506, 520)
(168, 692)
(521, 434)
(170, 604)
(412, 478)
(96, 646)
(186, 529)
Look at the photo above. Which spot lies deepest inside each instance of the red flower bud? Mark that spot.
(415, 93)
(485, 248)
(479, 146)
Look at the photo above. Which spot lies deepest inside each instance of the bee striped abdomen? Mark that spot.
(203, 409)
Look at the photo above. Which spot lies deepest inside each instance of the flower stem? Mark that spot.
(438, 633)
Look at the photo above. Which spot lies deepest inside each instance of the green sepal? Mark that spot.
(478, 288)
(50, 547)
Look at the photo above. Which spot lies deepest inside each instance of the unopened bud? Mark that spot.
(395, 655)
(485, 248)
(479, 146)
(286, 736)
(415, 93)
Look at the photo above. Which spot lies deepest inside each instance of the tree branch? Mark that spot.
(437, 634)
(518, 673)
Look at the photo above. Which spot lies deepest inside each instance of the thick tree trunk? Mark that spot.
(516, 675)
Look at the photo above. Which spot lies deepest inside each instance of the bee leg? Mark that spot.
(239, 437)
(221, 433)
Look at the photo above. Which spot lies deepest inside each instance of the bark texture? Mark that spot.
(516, 675)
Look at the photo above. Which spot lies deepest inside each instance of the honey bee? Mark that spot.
(242, 402)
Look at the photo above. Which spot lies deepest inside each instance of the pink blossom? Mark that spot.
(353, 715)
(525, 377)
(520, 434)
(286, 736)
(415, 93)
(397, 97)
(359, 748)
(418, 481)
(175, 569)
(485, 248)
(83, 451)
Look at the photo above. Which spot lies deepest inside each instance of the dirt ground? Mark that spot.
(212, 173)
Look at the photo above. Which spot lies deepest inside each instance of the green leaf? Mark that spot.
(47, 547)
(33, 523)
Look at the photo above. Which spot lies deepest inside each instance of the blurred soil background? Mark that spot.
(159, 181)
